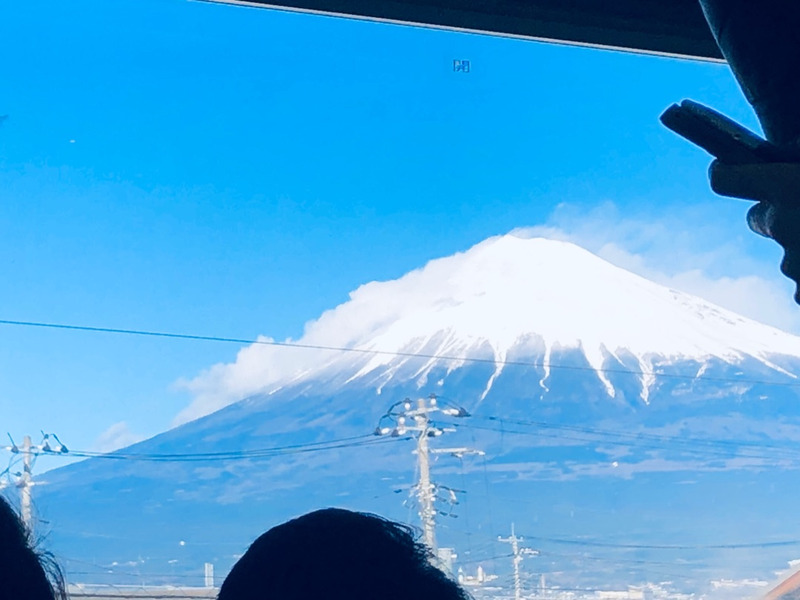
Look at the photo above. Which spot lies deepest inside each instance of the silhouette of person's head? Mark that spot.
(24, 575)
(333, 553)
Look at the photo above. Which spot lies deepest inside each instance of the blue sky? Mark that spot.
(200, 168)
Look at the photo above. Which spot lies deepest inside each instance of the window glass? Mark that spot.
(251, 259)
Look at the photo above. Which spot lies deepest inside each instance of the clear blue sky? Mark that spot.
(200, 168)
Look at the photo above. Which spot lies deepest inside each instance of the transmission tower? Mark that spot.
(517, 553)
(27, 453)
(415, 418)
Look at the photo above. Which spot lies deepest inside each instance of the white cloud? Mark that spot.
(115, 437)
(257, 369)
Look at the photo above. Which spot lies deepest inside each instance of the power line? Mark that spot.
(618, 442)
(627, 561)
(350, 442)
(373, 352)
(624, 546)
(228, 454)
(508, 579)
(113, 570)
(473, 561)
(720, 448)
(788, 453)
(241, 455)
(104, 571)
(104, 596)
(634, 435)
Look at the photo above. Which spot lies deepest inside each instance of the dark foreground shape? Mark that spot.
(759, 41)
(333, 553)
(776, 188)
(24, 575)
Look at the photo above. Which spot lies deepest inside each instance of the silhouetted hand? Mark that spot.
(776, 188)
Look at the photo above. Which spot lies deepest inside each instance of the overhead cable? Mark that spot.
(376, 352)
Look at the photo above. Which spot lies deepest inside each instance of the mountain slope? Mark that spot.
(592, 391)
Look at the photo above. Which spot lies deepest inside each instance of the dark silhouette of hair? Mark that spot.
(333, 554)
(24, 574)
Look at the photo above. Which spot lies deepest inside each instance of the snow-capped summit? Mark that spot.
(510, 297)
(556, 332)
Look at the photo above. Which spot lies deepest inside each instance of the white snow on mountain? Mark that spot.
(505, 297)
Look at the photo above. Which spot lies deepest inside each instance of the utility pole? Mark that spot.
(516, 560)
(406, 417)
(425, 490)
(517, 553)
(23, 480)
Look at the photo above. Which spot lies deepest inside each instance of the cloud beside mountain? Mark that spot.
(682, 249)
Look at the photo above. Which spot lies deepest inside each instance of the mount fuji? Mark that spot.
(633, 433)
